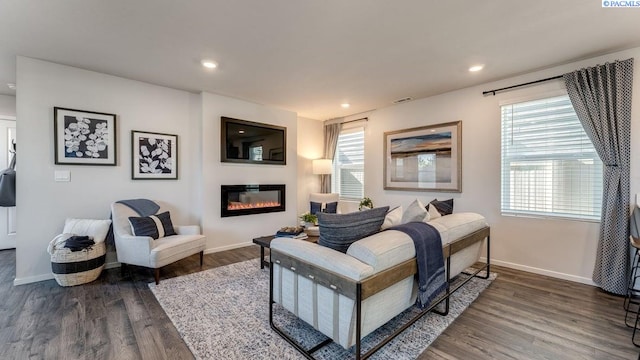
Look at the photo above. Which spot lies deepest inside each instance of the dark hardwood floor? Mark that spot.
(520, 316)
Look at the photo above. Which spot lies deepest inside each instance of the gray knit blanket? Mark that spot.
(431, 272)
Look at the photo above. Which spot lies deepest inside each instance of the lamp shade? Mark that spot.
(322, 166)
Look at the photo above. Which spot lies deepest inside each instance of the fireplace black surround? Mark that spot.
(251, 199)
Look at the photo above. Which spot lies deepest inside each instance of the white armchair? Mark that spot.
(147, 252)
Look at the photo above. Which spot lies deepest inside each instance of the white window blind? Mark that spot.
(348, 164)
(549, 166)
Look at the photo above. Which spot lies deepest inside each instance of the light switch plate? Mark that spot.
(62, 175)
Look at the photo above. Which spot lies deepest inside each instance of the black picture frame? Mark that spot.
(84, 137)
(249, 142)
(154, 156)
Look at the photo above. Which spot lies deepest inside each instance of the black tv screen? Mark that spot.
(245, 141)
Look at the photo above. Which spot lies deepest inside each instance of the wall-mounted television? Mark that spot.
(251, 142)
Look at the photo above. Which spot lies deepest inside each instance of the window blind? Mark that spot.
(348, 164)
(549, 165)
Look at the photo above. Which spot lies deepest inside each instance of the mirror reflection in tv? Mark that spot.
(251, 142)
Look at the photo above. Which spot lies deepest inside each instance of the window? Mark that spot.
(348, 164)
(549, 165)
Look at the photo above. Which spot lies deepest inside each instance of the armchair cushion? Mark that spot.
(156, 226)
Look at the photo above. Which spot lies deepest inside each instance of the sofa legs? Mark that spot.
(157, 275)
(201, 257)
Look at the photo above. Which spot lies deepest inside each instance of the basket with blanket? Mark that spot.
(78, 254)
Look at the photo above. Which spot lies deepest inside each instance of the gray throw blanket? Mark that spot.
(431, 272)
(144, 207)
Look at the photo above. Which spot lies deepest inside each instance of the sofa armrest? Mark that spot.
(134, 250)
(323, 257)
(383, 250)
(187, 229)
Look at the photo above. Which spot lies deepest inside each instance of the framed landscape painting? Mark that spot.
(427, 158)
(154, 156)
(84, 137)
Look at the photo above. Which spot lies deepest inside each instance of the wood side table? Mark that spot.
(265, 242)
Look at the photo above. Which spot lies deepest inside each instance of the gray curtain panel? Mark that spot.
(331, 133)
(601, 96)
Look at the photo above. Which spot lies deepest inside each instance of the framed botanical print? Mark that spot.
(84, 137)
(154, 156)
(427, 158)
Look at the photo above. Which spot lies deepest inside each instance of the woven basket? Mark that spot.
(78, 267)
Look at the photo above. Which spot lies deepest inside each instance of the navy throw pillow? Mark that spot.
(155, 226)
(330, 208)
(315, 207)
(444, 207)
(339, 231)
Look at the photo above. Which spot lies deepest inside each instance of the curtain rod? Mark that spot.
(361, 119)
(494, 91)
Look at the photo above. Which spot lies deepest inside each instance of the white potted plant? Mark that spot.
(365, 203)
(309, 219)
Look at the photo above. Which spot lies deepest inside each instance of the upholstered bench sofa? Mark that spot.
(311, 281)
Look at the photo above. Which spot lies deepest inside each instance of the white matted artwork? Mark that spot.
(84, 137)
(427, 158)
(154, 156)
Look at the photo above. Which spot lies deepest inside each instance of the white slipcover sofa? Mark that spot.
(329, 311)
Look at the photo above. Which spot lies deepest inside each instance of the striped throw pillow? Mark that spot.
(338, 231)
(156, 226)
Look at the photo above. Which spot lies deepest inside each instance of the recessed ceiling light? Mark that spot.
(475, 68)
(209, 64)
(240, 131)
(11, 86)
(345, 105)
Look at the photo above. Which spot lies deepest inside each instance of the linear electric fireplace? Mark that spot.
(251, 199)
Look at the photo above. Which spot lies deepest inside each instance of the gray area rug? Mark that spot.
(223, 313)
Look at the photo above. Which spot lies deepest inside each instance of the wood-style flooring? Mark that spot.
(520, 316)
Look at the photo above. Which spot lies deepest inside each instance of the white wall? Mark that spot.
(231, 232)
(7, 105)
(310, 147)
(42, 204)
(560, 248)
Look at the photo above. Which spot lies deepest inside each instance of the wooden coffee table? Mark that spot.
(265, 242)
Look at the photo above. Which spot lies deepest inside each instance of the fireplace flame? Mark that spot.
(256, 205)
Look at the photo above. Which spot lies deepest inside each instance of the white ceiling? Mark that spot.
(310, 56)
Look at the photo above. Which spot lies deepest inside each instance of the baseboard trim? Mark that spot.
(535, 270)
(32, 279)
(227, 247)
(112, 265)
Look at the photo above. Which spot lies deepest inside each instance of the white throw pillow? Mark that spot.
(415, 212)
(95, 228)
(433, 213)
(393, 218)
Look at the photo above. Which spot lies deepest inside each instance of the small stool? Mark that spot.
(633, 294)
